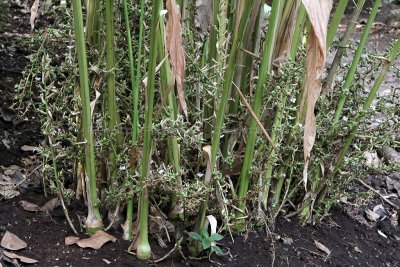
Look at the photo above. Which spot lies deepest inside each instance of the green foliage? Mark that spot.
(208, 242)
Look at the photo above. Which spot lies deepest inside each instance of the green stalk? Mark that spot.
(112, 116)
(93, 221)
(93, 22)
(350, 75)
(343, 45)
(173, 147)
(226, 89)
(143, 248)
(212, 59)
(333, 25)
(389, 61)
(301, 18)
(264, 70)
(135, 94)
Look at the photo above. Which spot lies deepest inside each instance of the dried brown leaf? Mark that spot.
(28, 206)
(322, 247)
(12, 242)
(96, 241)
(176, 52)
(21, 258)
(70, 240)
(34, 13)
(51, 205)
(318, 13)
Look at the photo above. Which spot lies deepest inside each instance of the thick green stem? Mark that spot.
(343, 45)
(93, 22)
(350, 75)
(226, 89)
(262, 75)
(173, 148)
(143, 249)
(212, 60)
(93, 221)
(301, 18)
(389, 61)
(333, 25)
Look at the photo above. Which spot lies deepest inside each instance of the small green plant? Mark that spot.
(208, 242)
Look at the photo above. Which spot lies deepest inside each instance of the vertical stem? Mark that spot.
(93, 221)
(339, 53)
(264, 70)
(350, 75)
(333, 26)
(143, 249)
(389, 61)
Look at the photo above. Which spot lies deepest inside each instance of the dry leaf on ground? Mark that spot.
(12, 242)
(70, 240)
(28, 206)
(322, 247)
(34, 13)
(96, 241)
(21, 258)
(27, 148)
(51, 205)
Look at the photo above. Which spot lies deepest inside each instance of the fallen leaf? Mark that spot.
(318, 13)
(28, 206)
(21, 258)
(372, 216)
(27, 148)
(107, 261)
(34, 13)
(176, 52)
(382, 234)
(287, 240)
(12, 242)
(321, 247)
(51, 205)
(70, 240)
(96, 241)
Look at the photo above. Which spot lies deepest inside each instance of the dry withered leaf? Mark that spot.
(12, 242)
(176, 52)
(28, 206)
(70, 240)
(21, 258)
(322, 247)
(96, 241)
(51, 205)
(318, 13)
(34, 13)
(27, 148)
(107, 261)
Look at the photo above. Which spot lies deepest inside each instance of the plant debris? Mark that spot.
(12, 242)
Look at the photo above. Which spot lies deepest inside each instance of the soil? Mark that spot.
(350, 238)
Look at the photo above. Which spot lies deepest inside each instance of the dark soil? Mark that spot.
(351, 240)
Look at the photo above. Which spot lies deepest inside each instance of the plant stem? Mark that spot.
(389, 61)
(333, 26)
(329, 83)
(262, 75)
(93, 221)
(143, 249)
(350, 75)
